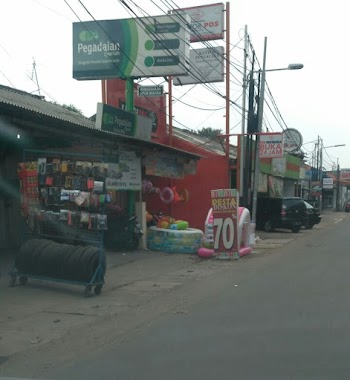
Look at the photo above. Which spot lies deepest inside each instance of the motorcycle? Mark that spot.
(124, 232)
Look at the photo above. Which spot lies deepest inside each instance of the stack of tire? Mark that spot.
(45, 258)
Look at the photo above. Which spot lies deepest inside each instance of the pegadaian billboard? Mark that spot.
(142, 47)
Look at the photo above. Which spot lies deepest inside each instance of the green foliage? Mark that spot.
(70, 107)
(210, 133)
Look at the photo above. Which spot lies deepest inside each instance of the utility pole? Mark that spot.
(242, 161)
(257, 139)
(338, 187)
(321, 175)
(228, 47)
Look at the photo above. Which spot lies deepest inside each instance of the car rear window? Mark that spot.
(293, 203)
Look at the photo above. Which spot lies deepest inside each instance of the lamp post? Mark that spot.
(293, 66)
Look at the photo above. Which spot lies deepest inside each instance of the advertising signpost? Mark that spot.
(208, 64)
(129, 48)
(225, 211)
(207, 22)
(271, 145)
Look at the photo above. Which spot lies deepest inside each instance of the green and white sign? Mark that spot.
(150, 91)
(124, 123)
(142, 47)
(115, 120)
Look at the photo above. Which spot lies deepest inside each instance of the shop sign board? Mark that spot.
(345, 174)
(271, 145)
(207, 22)
(225, 212)
(115, 120)
(143, 128)
(327, 183)
(135, 47)
(208, 66)
(126, 173)
(162, 165)
(150, 91)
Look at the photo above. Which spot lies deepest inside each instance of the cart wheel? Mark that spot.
(23, 280)
(98, 289)
(12, 282)
(87, 291)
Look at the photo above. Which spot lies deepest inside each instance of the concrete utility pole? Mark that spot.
(244, 115)
(338, 187)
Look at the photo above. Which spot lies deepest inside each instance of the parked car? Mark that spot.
(312, 216)
(282, 212)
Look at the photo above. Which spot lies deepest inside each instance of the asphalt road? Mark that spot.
(289, 318)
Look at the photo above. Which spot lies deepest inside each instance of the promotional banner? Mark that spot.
(271, 145)
(125, 174)
(208, 67)
(161, 165)
(327, 183)
(136, 47)
(225, 206)
(207, 22)
(345, 174)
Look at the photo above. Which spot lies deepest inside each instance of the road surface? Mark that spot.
(285, 315)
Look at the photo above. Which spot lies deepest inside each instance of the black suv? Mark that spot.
(283, 212)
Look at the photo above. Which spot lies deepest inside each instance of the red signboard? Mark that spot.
(225, 211)
(113, 94)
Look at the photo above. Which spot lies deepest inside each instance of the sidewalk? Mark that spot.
(43, 311)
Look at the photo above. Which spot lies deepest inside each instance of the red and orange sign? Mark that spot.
(225, 206)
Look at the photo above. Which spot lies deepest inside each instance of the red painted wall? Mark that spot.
(212, 169)
(211, 174)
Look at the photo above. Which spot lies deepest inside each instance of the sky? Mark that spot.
(312, 32)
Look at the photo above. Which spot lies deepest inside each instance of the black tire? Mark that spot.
(268, 226)
(296, 229)
(23, 280)
(12, 282)
(98, 289)
(309, 226)
(87, 291)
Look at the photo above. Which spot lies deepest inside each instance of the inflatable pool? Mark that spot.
(174, 241)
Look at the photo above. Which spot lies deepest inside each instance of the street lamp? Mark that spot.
(293, 66)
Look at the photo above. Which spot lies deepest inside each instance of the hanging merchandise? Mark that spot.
(63, 201)
(166, 195)
(184, 195)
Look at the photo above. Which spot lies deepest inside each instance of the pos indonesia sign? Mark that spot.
(225, 212)
(271, 145)
(142, 47)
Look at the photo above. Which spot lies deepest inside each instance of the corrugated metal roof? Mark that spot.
(14, 99)
(204, 143)
(35, 103)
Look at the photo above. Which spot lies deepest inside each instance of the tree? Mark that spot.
(70, 107)
(210, 133)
